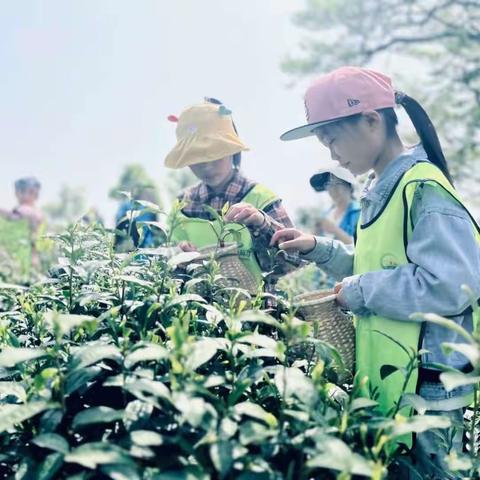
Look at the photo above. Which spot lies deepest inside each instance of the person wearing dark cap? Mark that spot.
(341, 219)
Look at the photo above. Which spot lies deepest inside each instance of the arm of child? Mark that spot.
(332, 256)
(263, 224)
(444, 255)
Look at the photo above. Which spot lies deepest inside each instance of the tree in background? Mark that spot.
(436, 41)
(69, 208)
(135, 180)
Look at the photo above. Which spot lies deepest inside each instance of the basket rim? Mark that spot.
(300, 300)
(229, 249)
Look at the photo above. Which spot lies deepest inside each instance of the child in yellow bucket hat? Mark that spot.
(208, 143)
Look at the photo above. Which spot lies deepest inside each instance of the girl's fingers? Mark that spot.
(238, 212)
(252, 219)
(242, 215)
(282, 235)
(289, 245)
(231, 212)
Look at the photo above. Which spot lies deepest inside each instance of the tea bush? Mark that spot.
(114, 366)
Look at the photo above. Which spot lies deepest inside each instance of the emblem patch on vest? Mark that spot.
(389, 261)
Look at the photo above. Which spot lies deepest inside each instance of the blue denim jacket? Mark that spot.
(443, 252)
(350, 218)
(125, 207)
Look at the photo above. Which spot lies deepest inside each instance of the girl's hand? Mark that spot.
(187, 246)
(340, 298)
(291, 239)
(245, 214)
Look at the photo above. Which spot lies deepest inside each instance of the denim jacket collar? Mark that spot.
(377, 190)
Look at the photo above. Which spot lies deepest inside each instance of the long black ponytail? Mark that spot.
(426, 131)
(237, 157)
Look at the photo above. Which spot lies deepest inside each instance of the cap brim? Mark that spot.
(319, 180)
(304, 131)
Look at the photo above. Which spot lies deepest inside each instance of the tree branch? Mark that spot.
(406, 41)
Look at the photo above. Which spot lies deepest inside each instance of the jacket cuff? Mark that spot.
(352, 294)
(321, 253)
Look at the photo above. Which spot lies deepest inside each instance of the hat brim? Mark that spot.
(208, 148)
(304, 131)
(319, 180)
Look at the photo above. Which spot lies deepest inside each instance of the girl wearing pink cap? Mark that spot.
(415, 245)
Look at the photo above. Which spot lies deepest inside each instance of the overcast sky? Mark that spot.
(87, 85)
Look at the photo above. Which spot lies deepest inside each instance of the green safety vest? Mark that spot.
(382, 244)
(203, 233)
(16, 245)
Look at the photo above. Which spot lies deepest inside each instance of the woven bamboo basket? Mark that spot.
(330, 324)
(231, 267)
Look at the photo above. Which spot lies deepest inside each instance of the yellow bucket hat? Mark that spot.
(205, 133)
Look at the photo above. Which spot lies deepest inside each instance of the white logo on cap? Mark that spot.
(307, 113)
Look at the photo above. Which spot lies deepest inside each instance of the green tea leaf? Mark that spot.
(255, 433)
(259, 341)
(188, 473)
(96, 415)
(9, 356)
(80, 378)
(50, 467)
(11, 415)
(453, 380)
(93, 353)
(148, 206)
(189, 297)
(146, 389)
(201, 352)
(415, 401)
(196, 411)
(64, 323)
(418, 424)
(334, 454)
(146, 438)
(135, 280)
(121, 472)
(13, 388)
(182, 258)
(469, 351)
(222, 458)
(387, 370)
(145, 353)
(292, 382)
(361, 403)
(255, 411)
(91, 455)
(52, 441)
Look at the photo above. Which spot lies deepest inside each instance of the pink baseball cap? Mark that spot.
(344, 92)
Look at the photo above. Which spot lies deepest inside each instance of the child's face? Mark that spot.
(338, 190)
(213, 173)
(357, 145)
(27, 196)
